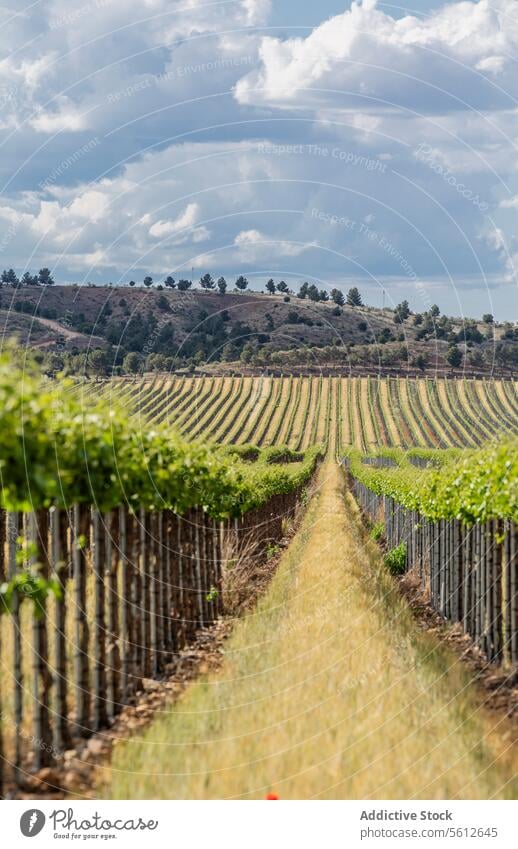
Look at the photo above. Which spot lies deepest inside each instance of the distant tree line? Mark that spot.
(218, 338)
(42, 278)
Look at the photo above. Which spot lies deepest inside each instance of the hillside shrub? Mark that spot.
(395, 559)
(377, 531)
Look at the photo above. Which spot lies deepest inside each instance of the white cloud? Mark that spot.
(492, 64)
(256, 11)
(365, 56)
(254, 244)
(249, 237)
(91, 205)
(169, 228)
(47, 218)
(157, 95)
(66, 118)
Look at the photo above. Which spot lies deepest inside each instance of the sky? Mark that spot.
(343, 143)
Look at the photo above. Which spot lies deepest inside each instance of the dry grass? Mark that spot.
(414, 423)
(271, 425)
(370, 432)
(328, 690)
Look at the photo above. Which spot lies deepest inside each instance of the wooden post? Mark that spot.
(113, 658)
(208, 571)
(13, 531)
(513, 591)
(506, 600)
(470, 582)
(189, 550)
(163, 595)
(167, 583)
(136, 601)
(3, 531)
(479, 620)
(485, 572)
(145, 599)
(42, 677)
(3, 576)
(81, 662)
(181, 625)
(198, 569)
(456, 571)
(442, 565)
(217, 531)
(497, 595)
(154, 592)
(100, 716)
(126, 634)
(59, 558)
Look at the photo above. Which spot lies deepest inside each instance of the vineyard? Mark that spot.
(302, 411)
(111, 555)
(135, 513)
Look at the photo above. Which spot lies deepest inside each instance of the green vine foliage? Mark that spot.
(58, 449)
(472, 485)
(395, 559)
(30, 586)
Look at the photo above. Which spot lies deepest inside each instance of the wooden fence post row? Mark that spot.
(470, 574)
(135, 587)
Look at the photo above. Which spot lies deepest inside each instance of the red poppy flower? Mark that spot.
(271, 796)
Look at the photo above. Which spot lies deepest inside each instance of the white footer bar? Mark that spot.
(264, 824)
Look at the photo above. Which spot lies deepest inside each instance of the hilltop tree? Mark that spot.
(282, 287)
(163, 304)
(421, 361)
(247, 352)
(132, 283)
(401, 312)
(476, 358)
(271, 287)
(454, 356)
(148, 281)
(487, 318)
(241, 283)
(323, 295)
(313, 293)
(337, 297)
(98, 362)
(131, 362)
(207, 282)
(222, 285)
(183, 285)
(170, 283)
(10, 277)
(435, 311)
(228, 352)
(45, 278)
(29, 279)
(354, 299)
(303, 291)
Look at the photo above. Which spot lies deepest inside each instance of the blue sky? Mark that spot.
(290, 13)
(366, 143)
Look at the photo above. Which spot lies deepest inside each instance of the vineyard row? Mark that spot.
(364, 412)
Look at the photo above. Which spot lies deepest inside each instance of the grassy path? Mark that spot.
(328, 690)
